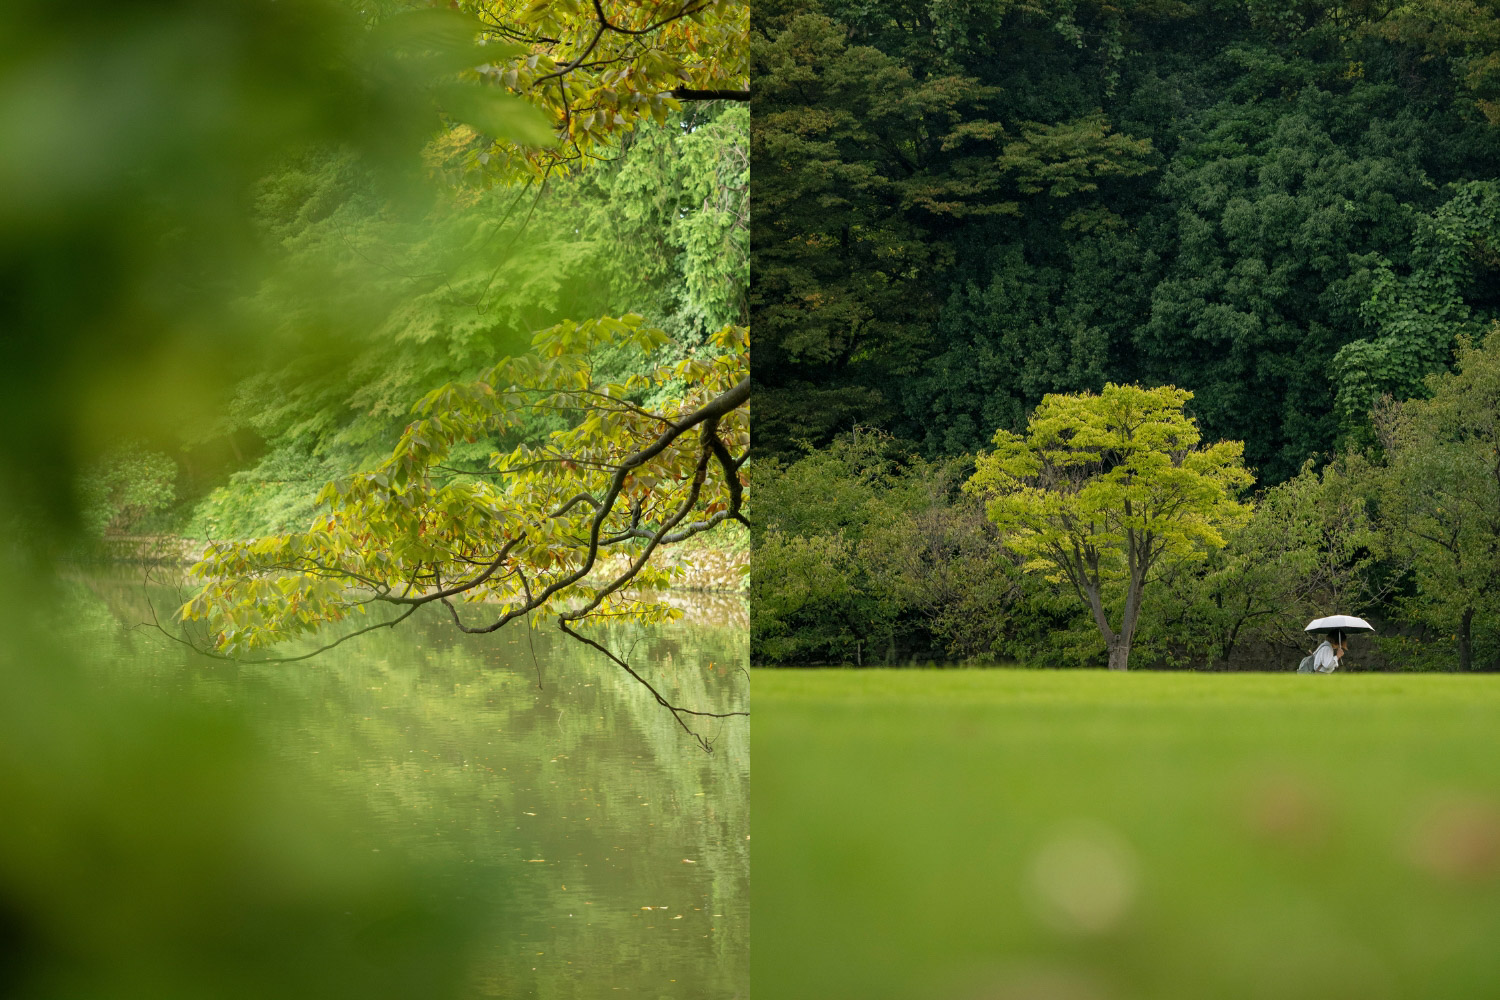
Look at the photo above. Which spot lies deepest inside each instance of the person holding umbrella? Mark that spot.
(1330, 652)
(1325, 659)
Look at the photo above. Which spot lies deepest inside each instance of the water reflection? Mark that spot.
(610, 853)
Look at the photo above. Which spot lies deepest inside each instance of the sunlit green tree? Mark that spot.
(1104, 489)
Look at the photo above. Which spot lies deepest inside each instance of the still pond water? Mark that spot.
(618, 850)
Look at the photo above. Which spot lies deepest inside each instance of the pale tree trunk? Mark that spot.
(1111, 638)
(1119, 645)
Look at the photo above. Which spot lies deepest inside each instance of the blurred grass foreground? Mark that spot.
(1076, 835)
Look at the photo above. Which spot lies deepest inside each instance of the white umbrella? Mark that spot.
(1339, 623)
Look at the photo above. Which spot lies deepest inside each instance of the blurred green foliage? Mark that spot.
(125, 485)
(157, 848)
(407, 304)
(265, 228)
(134, 138)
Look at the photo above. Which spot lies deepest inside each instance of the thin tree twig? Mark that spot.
(677, 711)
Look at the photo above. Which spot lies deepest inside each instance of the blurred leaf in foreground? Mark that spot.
(155, 848)
(134, 136)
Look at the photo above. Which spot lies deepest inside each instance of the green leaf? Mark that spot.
(438, 42)
(497, 114)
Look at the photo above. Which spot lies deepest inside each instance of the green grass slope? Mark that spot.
(1078, 835)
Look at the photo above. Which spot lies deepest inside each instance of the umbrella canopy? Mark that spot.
(1339, 623)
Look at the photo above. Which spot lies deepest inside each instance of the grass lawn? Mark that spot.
(1081, 835)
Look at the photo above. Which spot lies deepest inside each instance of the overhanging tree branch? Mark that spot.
(532, 542)
(690, 94)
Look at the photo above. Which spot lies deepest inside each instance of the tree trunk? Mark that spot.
(1466, 642)
(1119, 644)
(1226, 648)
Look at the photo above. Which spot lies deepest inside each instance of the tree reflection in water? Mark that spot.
(603, 847)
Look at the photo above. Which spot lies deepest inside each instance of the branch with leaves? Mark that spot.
(598, 69)
(530, 540)
(1104, 489)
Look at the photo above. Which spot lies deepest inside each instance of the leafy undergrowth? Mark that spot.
(1015, 834)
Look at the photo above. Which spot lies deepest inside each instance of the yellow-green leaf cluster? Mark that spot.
(564, 526)
(1111, 483)
(596, 70)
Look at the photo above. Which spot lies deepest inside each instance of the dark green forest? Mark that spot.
(1291, 210)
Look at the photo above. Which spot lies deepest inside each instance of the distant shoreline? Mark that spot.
(701, 568)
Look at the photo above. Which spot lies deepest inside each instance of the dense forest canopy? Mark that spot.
(969, 213)
(1286, 208)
